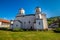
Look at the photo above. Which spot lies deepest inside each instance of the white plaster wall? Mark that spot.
(26, 25)
(44, 21)
(39, 26)
(16, 23)
(43, 17)
(11, 24)
(37, 16)
(34, 25)
(0, 23)
(26, 19)
(5, 25)
(40, 16)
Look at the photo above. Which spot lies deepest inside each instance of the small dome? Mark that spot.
(38, 9)
(22, 11)
(11, 22)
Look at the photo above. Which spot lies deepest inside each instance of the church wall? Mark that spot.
(39, 24)
(43, 17)
(40, 16)
(27, 21)
(16, 25)
(44, 21)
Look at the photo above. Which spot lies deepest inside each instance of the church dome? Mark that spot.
(22, 11)
(38, 9)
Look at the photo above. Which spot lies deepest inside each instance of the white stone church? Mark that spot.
(35, 21)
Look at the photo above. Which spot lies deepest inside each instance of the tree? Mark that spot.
(58, 22)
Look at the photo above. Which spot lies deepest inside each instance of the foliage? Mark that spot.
(17, 29)
(53, 20)
(2, 28)
(57, 30)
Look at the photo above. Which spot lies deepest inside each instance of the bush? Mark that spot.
(17, 29)
(2, 28)
(57, 30)
(21, 30)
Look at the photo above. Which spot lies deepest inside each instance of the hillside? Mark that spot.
(53, 20)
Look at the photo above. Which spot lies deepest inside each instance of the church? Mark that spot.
(34, 21)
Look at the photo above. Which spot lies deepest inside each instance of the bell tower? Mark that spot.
(38, 13)
(39, 20)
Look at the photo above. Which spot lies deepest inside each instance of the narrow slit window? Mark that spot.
(39, 23)
(24, 22)
(29, 21)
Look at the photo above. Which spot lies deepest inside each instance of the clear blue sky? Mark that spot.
(9, 8)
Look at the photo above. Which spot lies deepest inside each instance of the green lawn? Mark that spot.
(29, 35)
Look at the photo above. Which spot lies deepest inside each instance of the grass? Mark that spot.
(29, 35)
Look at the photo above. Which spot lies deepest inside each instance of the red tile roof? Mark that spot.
(4, 21)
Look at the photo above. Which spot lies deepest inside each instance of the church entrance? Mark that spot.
(31, 28)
